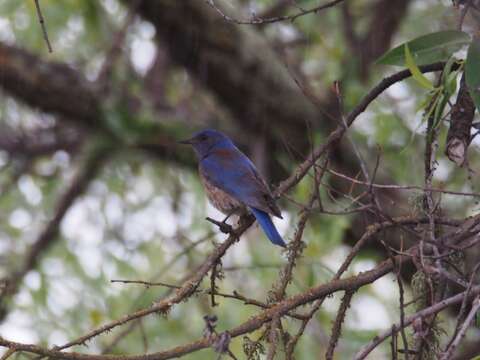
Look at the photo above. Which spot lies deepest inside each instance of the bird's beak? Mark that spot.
(186, 142)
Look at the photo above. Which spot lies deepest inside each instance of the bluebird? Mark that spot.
(231, 181)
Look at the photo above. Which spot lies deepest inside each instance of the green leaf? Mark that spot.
(451, 83)
(447, 74)
(439, 109)
(432, 103)
(437, 46)
(416, 73)
(472, 71)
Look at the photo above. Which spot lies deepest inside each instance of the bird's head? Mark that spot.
(205, 141)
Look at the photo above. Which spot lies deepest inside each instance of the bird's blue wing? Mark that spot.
(230, 170)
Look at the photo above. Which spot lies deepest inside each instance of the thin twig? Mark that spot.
(434, 309)
(337, 326)
(164, 305)
(43, 26)
(8, 353)
(260, 21)
(463, 307)
(401, 187)
(254, 323)
(338, 133)
(471, 315)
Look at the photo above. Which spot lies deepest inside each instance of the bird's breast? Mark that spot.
(222, 201)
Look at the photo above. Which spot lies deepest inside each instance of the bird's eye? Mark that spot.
(203, 137)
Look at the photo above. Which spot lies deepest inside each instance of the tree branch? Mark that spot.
(54, 87)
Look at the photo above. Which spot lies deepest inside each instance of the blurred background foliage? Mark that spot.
(142, 216)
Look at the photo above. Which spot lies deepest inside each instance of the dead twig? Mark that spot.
(269, 20)
(43, 26)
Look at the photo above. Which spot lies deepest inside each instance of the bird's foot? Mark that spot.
(222, 225)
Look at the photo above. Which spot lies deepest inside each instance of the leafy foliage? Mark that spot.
(426, 49)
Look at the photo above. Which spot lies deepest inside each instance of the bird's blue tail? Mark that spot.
(267, 225)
